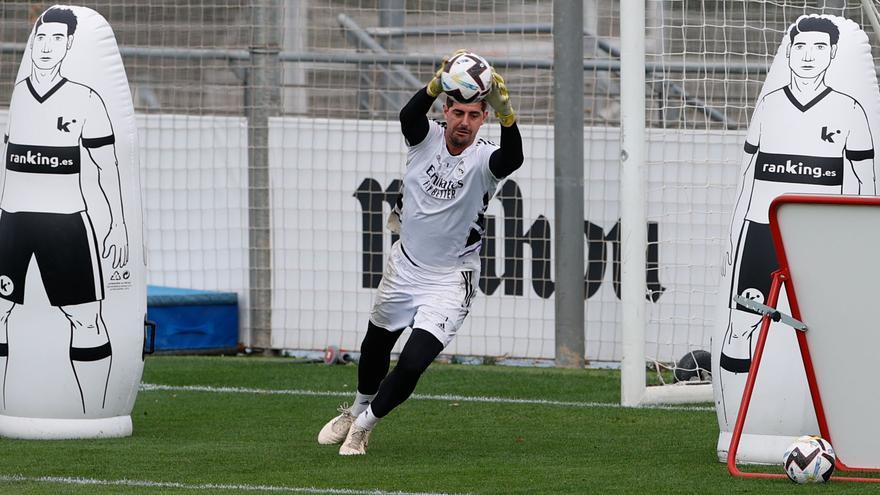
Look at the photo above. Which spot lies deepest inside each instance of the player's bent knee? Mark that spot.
(419, 352)
(378, 339)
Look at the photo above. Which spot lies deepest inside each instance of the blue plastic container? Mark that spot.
(193, 320)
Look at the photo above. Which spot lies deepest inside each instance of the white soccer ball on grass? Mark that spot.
(467, 78)
(809, 459)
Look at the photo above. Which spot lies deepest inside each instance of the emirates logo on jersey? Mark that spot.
(441, 187)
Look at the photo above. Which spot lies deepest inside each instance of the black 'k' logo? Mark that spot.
(828, 136)
(63, 126)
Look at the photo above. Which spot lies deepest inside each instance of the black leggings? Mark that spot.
(419, 352)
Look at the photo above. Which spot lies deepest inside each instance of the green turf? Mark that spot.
(198, 438)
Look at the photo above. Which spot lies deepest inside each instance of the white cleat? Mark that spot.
(337, 428)
(356, 441)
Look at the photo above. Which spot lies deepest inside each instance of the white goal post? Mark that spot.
(634, 242)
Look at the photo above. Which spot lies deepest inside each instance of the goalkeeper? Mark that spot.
(431, 277)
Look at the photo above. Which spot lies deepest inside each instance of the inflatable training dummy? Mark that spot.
(72, 271)
(813, 131)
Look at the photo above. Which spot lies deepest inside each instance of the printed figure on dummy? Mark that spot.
(58, 128)
(807, 135)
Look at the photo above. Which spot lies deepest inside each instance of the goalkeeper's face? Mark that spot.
(810, 54)
(462, 123)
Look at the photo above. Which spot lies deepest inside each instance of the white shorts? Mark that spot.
(412, 296)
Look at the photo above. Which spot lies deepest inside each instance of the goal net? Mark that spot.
(275, 183)
(705, 64)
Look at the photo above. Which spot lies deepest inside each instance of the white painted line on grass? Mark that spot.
(445, 398)
(210, 487)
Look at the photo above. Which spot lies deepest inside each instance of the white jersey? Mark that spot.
(444, 198)
(801, 148)
(43, 146)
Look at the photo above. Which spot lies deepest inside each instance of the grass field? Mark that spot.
(224, 425)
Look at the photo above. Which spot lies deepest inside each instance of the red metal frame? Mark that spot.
(779, 277)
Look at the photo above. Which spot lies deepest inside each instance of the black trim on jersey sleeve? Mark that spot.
(509, 157)
(413, 117)
(98, 142)
(750, 148)
(856, 156)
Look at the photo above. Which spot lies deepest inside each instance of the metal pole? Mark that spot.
(568, 137)
(359, 36)
(871, 13)
(294, 37)
(262, 101)
(392, 13)
(633, 230)
(194, 54)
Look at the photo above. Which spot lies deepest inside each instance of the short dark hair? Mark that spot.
(55, 14)
(815, 24)
(450, 102)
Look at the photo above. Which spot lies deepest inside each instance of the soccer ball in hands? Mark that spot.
(809, 459)
(467, 78)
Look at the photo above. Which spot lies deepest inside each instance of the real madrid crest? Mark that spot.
(458, 173)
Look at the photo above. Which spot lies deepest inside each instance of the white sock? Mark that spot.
(367, 419)
(361, 403)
